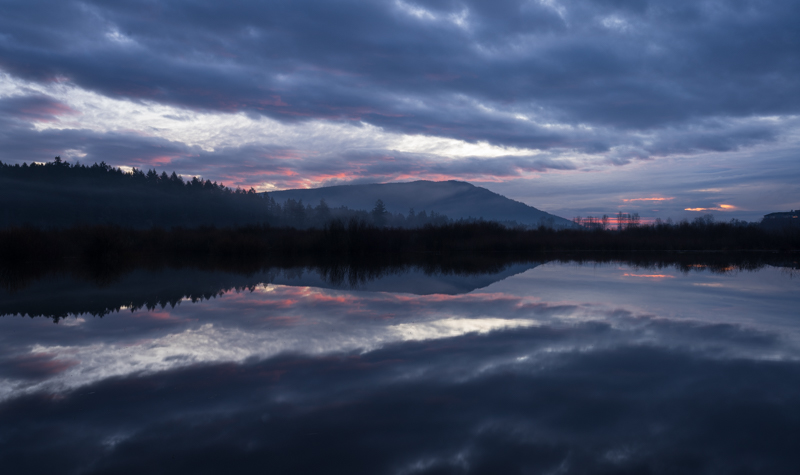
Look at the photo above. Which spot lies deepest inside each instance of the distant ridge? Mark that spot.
(455, 199)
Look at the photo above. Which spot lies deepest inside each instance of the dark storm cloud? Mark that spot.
(462, 69)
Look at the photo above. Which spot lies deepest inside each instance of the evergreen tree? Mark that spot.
(379, 213)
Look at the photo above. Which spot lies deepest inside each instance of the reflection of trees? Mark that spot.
(100, 292)
(102, 251)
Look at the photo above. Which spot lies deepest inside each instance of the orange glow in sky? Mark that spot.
(719, 208)
(647, 199)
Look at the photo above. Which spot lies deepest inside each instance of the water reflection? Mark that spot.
(551, 368)
(57, 296)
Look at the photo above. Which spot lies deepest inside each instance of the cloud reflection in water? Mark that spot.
(536, 373)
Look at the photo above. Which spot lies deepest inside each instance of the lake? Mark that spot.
(533, 367)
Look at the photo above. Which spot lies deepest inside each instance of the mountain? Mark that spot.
(455, 199)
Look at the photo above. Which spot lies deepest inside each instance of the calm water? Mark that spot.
(551, 368)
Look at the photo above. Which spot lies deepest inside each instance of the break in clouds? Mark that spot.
(301, 93)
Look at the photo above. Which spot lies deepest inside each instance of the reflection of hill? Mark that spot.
(61, 295)
(411, 280)
(59, 292)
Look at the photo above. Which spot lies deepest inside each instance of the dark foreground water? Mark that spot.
(551, 369)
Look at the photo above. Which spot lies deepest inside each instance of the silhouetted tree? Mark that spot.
(379, 213)
(323, 212)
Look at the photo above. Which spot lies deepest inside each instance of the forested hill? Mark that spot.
(455, 199)
(58, 194)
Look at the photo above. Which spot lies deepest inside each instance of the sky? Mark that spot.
(674, 108)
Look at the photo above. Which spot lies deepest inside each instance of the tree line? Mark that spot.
(58, 194)
(105, 247)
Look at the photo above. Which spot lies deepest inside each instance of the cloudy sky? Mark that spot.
(666, 108)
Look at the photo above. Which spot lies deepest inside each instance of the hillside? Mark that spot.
(60, 194)
(455, 199)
